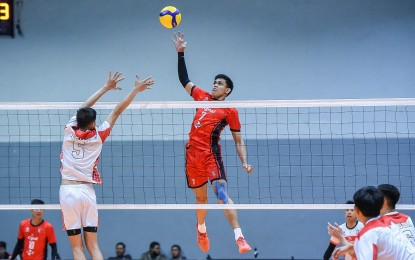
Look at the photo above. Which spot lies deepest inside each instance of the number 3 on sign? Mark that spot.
(4, 11)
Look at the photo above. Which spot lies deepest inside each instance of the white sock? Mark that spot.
(201, 227)
(238, 233)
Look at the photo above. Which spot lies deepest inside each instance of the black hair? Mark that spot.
(391, 194)
(85, 116)
(37, 201)
(3, 244)
(180, 249)
(120, 243)
(153, 244)
(369, 200)
(228, 81)
(350, 202)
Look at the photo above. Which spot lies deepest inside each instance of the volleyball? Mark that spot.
(170, 17)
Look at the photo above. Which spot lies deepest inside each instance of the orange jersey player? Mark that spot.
(34, 236)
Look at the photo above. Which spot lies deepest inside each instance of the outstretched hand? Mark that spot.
(179, 42)
(248, 168)
(335, 230)
(141, 85)
(113, 80)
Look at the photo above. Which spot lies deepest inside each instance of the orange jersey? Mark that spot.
(36, 239)
(208, 123)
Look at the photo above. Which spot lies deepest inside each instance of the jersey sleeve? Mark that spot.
(50, 232)
(104, 130)
(233, 121)
(20, 234)
(199, 94)
(72, 122)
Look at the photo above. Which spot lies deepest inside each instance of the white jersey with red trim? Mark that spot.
(350, 235)
(377, 241)
(401, 223)
(81, 150)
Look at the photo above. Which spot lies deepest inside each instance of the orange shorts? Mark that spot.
(202, 166)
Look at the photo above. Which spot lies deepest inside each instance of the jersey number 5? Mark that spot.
(78, 151)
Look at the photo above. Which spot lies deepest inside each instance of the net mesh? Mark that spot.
(304, 152)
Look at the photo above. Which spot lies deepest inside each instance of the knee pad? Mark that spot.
(73, 232)
(221, 191)
(91, 229)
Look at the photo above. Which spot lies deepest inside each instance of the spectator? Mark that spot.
(153, 253)
(34, 235)
(3, 251)
(120, 252)
(176, 253)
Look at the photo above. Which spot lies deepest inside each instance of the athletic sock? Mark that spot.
(238, 233)
(201, 227)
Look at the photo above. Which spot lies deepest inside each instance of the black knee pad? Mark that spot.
(73, 232)
(91, 229)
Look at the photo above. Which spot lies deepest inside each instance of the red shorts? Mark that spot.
(202, 166)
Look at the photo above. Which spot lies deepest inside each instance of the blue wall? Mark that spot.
(288, 49)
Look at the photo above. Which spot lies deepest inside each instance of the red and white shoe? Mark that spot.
(203, 240)
(243, 245)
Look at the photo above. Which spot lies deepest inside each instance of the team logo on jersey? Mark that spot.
(197, 124)
(39, 230)
(27, 229)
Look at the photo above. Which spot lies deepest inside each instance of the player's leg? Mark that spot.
(70, 202)
(197, 180)
(77, 244)
(90, 222)
(91, 242)
(201, 198)
(219, 187)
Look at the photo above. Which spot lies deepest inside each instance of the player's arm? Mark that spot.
(111, 84)
(346, 249)
(329, 251)
(241, 150)
(18, 248)
(180, 45)
(139, 87)
(54, 251)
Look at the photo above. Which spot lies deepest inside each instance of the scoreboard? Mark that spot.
(6, 17)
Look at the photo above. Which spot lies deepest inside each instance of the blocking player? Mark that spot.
(376, 240)
(203, 152)
(347, 231)
(34, 236)
(399, 222)
(81, 148)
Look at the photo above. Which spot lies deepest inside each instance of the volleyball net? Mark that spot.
(306, 153)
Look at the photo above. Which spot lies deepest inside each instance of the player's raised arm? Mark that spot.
(139, 87)
(111, 84)
(180, 45)
(241, 150)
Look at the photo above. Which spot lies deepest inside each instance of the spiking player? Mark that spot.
(347, 231)
(81, 148)
(203, 152)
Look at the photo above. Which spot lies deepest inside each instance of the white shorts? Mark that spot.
(79, 206)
